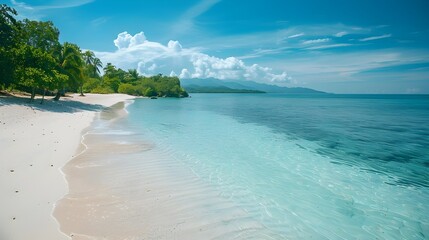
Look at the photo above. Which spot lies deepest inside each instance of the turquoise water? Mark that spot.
(303, 166)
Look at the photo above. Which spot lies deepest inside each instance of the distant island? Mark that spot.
(218, 89)
(212, 85)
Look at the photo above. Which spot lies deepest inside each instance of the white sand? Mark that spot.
(36, 141)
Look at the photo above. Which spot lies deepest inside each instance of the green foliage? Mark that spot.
(184, 93)
(102, 90)
(8, 26)
(9, 29)
(34, 77)
(70, 63)
(7, 67)
(132, 75)
(41, 35)
(131, 83)
(32, 59)
(127, 89)
(90, 84)
(92, 64)
(35, 69)
(112, 82)
(149, 92)
(110, 70)
(168, 86)
(60, 79)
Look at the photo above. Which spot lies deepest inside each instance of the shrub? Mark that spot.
(127, 89)
(102, 90)
(90, 84)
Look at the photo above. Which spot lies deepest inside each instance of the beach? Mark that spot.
(36, 141)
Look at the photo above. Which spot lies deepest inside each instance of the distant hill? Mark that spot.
(217, 89)
(211, 85)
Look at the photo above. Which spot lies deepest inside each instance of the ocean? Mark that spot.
(262, 166)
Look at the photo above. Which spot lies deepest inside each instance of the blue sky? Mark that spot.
(378, 46)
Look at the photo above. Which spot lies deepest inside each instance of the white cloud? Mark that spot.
(199, 8)
(341, 34)
(152, 67)
(296, 35)
(320, 40)
(286, 38)
(348, 66)
(264, 52)
(329, 46)
(173, 74)
(174, 45)
(99, 21)
(126, 40)
(185, 73)
(34, 12)
(152, 58)
(22, 5)
(186, 22)
(375, 37)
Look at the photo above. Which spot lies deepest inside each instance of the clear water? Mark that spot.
(303, 166)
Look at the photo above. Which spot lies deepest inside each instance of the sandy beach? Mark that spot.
(36, 142)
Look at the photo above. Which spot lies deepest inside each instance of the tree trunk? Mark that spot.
(33, 94)
(81, 91)
(57, 95)
(43, 97)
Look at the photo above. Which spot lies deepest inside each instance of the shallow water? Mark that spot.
(263, 166)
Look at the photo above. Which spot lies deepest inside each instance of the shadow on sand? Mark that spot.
(63, 105)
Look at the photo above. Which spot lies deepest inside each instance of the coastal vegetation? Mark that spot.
(32, 60)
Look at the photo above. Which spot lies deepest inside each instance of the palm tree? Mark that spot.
(97, 64)
(133, 74)
(93, 63)
(70, 63)
(88, 56)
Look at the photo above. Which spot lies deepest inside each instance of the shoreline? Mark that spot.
(67, 213)
(124, 186)
(37, 142)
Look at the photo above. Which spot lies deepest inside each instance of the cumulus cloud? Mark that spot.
(126, 40)
(151, 58)
(174, 45)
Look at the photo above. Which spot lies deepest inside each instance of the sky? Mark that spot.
(337, 46)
